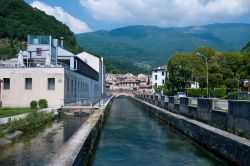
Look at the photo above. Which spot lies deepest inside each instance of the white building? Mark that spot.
(158, 76)
(193, 84)
(49, 72)
(98, 65)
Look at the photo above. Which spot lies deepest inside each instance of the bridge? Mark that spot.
(122, 93)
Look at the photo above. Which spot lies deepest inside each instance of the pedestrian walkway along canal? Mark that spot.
(38, 147)
(132, 137)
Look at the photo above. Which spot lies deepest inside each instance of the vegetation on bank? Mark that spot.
(33, 121)
(6, 112)
(18, 19)
(226, 71)
(123, 67)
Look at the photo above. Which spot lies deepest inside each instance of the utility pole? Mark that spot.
(206, 68)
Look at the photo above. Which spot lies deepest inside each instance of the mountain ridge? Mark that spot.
(152, 46)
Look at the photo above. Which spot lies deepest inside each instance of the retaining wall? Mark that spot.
(236, 120)
(79, 148)
(227, 145)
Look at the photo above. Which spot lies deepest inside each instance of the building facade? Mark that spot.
(158, 76)
(48, 71)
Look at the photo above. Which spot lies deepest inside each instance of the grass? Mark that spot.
(6, 112)
(31, 122)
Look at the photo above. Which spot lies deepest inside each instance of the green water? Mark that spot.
(132, 137)
(36, 148)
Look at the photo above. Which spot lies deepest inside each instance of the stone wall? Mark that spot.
(235, 120)
(204, 109)
(227, 145)
(79, 148)
(239, 117)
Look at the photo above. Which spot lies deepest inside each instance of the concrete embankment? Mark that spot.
(79, 148)
(227, 145)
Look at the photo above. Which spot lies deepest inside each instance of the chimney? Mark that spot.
(61, 42)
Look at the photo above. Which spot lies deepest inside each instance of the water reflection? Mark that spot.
(37, 148)
(132, 137)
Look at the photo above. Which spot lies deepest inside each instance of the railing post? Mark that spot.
(204, 109)
(238, 117)
(184, 104)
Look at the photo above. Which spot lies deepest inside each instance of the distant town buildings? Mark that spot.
(128, 82)
(47, 71)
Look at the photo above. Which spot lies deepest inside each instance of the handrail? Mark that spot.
(4, 64)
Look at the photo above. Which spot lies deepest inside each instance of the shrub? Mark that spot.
(43, 103)
(219, 92)
(197, 92)
(33, 104)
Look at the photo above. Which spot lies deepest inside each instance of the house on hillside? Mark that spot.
(48, 71)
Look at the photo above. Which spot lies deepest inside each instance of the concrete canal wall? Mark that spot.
(79, 148)
(225, 144)
(235, 119)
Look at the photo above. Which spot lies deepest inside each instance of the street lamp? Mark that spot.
(206, 67)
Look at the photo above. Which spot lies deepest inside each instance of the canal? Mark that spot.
(37, 147)
(131, 137)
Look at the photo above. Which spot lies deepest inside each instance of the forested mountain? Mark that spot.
(147, 45)
(246, 48)
(18, 19)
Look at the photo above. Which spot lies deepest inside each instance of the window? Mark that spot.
(163, 82)
(155, 77)
(162, 73)
(28, 83)
(51, 83)
(156, 85)
(72, 87)
(6, 83)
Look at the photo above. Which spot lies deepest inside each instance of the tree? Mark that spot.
(231, 83)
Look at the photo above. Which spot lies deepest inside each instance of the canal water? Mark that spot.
(132, 137)
(37, 148)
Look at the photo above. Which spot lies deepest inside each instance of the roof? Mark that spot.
(161, 68)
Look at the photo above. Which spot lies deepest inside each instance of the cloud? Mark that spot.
(166, 12)
(75, 25)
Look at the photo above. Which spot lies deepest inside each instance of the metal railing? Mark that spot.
(85, 102)
(4, 64)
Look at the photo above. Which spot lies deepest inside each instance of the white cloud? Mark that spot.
(75, 25)
(166, 12)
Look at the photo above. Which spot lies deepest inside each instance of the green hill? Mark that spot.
(246, 48)
(18, 19)
(146, 46)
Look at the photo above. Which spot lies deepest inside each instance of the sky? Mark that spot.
(91, 15)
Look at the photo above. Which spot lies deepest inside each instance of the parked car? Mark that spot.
(181, 94)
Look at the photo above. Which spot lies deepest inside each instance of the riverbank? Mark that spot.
(234, 148)
(31, 122)
(6, 112)
(78, 150)
(37, 146)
